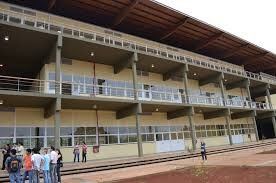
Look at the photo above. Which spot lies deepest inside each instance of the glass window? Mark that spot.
(103, 139)
(173, 136)
(198, 134)
(66, 141)
(159, 137)
(79, 131)
(91, 130)
(162, 129)
(123, 130)
(50, 141)
(38, 131)
(22, 131)
(65, 131)
(150, 137)
(5, 141)
(112, 130)
(123, 138)
(50, 131)
(102, 130)
(6, 131)
(187, 135)
(132, 138)
(79, 139)
(132, 130)
(166, 136)
(37, 142)
(113, 139)
(90, 140)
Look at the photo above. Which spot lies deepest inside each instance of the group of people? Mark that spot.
(49, 163)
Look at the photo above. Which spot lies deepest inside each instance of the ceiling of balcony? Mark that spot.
(152, 20)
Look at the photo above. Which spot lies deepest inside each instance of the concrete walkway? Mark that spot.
(238, 158)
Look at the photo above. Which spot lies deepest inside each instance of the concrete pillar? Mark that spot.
(274, 125)
(224, 98)
(190, 117)
(271, 107)
(139, 106)
(185, 82)
(253, 118)
(58, 91)
(268, 97)
(57, 127)
(58, 65)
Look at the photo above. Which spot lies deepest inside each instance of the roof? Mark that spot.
(152, 20)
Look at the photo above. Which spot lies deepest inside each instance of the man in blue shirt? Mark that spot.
(13, 166)
(203, 151)
(46, 166)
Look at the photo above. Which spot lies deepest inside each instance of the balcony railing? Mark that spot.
(107, 39)
(91, 90)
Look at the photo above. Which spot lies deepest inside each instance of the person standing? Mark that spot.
(20, 150)
(59, 164)
(28, 166)
(84, 151)
(37, 162)
(53, 165)
(46, 166)
(6, 153)
(76, 152)
(13, 165)
(203, 151)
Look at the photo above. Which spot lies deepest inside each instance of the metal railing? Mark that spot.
(90, 90)
(76, 31)
(23, 84)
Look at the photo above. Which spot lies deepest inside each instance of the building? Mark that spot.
(127, 81)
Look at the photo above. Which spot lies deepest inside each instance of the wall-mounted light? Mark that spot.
(1, 65)
(156, 109)
(92, 54)
(59, 31)
(152, 65)
(6, 38)
(225, 80)
(195, 74)
(1, 102)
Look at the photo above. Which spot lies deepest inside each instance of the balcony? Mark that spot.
(16, 84)
(47, 25)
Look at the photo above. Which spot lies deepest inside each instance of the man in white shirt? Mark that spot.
(53, 165)
(37, 162)
(20, 150)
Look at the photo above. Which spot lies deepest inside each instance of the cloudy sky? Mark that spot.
(252, 20)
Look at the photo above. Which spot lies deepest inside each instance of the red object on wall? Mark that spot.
(96, 149)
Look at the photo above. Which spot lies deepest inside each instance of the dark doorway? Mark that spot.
(265, 128)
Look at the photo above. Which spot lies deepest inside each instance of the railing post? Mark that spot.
(18, 85)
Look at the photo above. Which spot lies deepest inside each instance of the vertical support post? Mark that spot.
(57, 123)
(186, 84)
(187, 100)
(271, 107)
(58, 91)
(227, 118)
(253, 118)
(139, 106)
(268, 96)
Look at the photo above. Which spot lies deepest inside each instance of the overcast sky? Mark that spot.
(252, 20)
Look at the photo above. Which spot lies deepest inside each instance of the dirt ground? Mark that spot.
(211, 174)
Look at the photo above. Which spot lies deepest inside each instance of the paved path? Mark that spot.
(238, 158)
